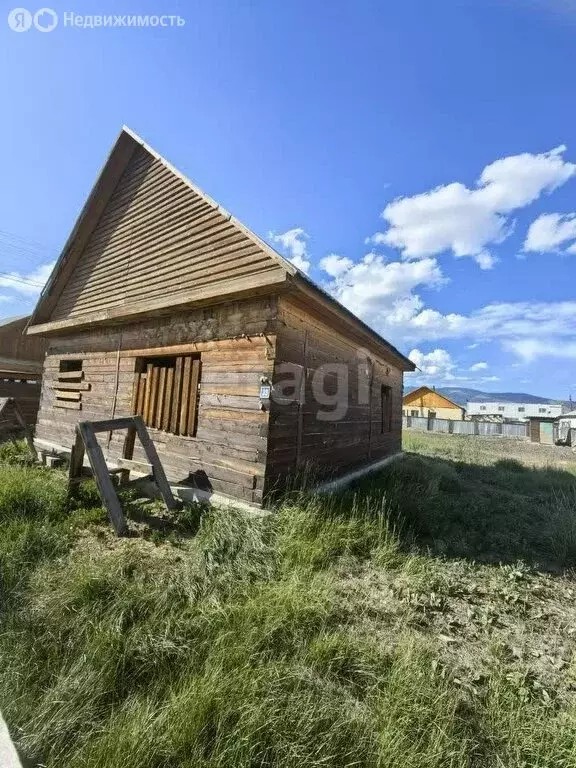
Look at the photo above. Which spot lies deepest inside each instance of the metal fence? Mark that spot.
(452, 427)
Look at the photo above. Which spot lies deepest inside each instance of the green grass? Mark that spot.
(422, 618)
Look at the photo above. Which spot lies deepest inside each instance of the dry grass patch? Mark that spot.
(415, 620)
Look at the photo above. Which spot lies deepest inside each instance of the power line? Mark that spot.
(25, 243)
(17, 250)
(18, 279)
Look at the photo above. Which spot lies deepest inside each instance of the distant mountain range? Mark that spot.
(462, 395)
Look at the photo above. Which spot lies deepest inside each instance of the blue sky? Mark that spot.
(417, 158)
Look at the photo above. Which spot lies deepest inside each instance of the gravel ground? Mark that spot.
(491, 449)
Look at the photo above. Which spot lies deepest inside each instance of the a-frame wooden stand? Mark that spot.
(86, 442)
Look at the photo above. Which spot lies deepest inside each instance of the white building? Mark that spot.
(515, 411)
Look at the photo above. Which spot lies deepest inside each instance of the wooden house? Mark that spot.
(21, 361)
(429, 404)
(164, 305)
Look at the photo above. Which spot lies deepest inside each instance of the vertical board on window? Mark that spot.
(166, 393)
(385, 408)
(175, 412)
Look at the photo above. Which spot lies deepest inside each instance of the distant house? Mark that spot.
(21, 360)
(504, 410)
(428, 403)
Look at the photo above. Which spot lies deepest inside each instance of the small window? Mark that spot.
(482, 407)
(501, 407)
(413, 413)
(385, 409)
(541, 410)
(70, 366)
(521, 409)
(166, 393)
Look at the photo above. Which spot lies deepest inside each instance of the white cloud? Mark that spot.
(466, 221)
(530, 330)
(335, 265)
(28, 284)
(531, 349)
(391, 294)
(437, 364)
(485, 260)
(383, 293)
(511, 320)
(500, 321)
(294, 242)
(374, 288)
(551, 231)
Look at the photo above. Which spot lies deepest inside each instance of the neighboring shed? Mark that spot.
(164, 305)
(428, 403)
(543, 430)
(566, 425)
(21, 360)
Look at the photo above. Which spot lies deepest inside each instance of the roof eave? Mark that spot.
(270, 282)
(303, 283)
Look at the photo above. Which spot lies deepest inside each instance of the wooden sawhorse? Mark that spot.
(86, 442)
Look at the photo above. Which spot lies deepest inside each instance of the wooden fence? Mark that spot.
(26, 392)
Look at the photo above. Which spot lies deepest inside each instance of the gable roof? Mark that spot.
(148, 240)
(421, 391)
(13, 319)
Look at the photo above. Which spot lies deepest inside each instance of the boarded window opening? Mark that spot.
(69, 385)
(385, 409)
(166, 393)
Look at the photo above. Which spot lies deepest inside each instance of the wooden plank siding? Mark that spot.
(14, 343)
(21, 367)
(302, 433)
(235, 344)
(157, 237)
(25, 392)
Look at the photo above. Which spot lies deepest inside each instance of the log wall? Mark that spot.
(302, 432)
(236, 343)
